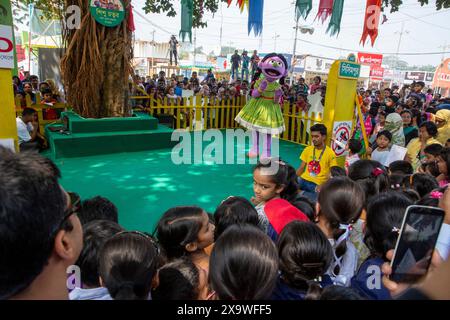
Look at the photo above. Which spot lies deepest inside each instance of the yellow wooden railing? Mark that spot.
(201, 113)
(41, 110)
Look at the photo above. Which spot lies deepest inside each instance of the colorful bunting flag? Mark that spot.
(255, 16)
(325, 9)
(335, 22)
(371, 21)
(186, 19)
(302, 8)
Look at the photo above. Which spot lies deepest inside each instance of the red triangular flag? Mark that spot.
(371, 21)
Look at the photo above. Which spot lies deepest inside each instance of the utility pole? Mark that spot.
(153, 50)
(444, 47)
(195, 45)
(400, 41)
(221, 25)
(293, 54)
(275, 43)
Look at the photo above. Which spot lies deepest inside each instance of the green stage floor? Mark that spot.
(145, 184)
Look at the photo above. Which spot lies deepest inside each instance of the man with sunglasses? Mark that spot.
(40, 233)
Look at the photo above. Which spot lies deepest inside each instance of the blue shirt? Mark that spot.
(367, 282)
(178, 91)
(90, 294)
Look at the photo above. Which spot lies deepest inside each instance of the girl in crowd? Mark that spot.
(128, 263)
(186, 231)
(274, 185)
(181, 279)
(340, 204)
(409, 130)
(443, 163)
(244, 264)
(385, 214)
(305, 255)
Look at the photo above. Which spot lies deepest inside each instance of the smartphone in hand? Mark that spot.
(415, 245)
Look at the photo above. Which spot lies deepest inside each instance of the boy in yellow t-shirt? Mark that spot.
(316, 162)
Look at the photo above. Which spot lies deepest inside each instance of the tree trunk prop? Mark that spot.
(96, 66)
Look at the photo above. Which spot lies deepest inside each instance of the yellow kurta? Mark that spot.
(414, 147)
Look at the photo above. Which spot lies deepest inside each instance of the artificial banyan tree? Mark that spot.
(96, 65)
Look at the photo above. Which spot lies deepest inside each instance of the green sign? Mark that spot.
(109, 13)
(349, 70)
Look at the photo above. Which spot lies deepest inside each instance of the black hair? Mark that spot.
(318, 127)
(408, 112)
(385, 133)
(305, 205)
(178, 227)
(411, 194)
(128, 262)
(305, 255)
(431, 168)
(396, 181)
(336, 171)
(340, 293)
(177, 280)
(368, 175)
(95, 234)
(33, 77)
(385, 214)
(341, 201)
(423, 183)
(434, 149)
(445, 156)
(243, 264)
(32, 208)
(28, 112)
(354, 145)
(430, 127)
(285, 176)
(401, 167)
(234, 210)
(97, 208)
(46, 91)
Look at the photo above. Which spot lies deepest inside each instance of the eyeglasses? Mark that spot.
(74, 206)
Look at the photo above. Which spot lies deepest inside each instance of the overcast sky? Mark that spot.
(425, 30)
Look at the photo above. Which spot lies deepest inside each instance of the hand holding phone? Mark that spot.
(415, 245)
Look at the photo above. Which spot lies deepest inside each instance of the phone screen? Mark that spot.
(418, 237)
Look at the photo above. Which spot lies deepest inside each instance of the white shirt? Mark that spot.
(23, 130)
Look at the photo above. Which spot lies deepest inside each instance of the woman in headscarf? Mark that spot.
(394, 124)
(442, 120)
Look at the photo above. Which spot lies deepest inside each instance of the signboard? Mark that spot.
(429, 77)
(6, 47)
(318, 64)
(370, 58)
(415, 75)
(349, 70)
(377, 72)
(351, 57)
(341, 132)
(108, 13)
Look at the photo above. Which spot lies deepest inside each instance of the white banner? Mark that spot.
(6, 47)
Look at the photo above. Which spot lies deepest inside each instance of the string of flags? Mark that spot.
(327, 9)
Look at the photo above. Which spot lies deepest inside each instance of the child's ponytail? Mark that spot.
(371, 176)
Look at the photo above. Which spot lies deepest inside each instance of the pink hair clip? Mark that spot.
(436, 195)
(377, 171)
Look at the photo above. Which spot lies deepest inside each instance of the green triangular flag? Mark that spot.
(302, 8)
(186, 19)
(335, 22)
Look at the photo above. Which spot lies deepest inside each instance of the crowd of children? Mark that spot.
(327, 240)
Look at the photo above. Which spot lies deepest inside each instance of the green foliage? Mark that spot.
(200, 7)
(396, 4)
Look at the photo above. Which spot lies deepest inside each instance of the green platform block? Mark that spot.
(78, 124)
(89, 144)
